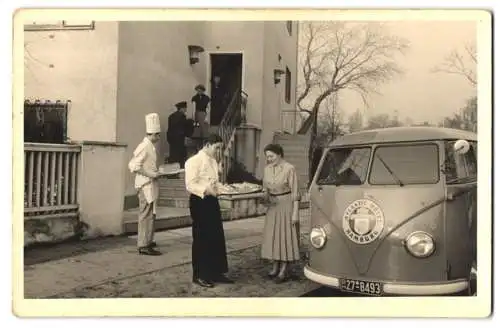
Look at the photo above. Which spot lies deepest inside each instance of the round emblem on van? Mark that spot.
(363, 221)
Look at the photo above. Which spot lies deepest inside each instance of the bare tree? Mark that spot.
(465, 118)
(461, 62)
(381, 121)
(355, 121)
(337, 56)
(330, 120)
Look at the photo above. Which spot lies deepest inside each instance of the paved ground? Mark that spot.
(111, 267)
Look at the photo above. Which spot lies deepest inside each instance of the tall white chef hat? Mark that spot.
(153, 123)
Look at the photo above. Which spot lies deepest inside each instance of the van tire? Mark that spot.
(472, 289)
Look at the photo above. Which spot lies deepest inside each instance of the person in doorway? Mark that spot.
(200, 101)
(209, 257)
(281, 228)
(176, 134)
(143, 165)
(220, 100)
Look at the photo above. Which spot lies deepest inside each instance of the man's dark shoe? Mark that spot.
(149, 251)
(224, 280)
(203, 283)
(153, 244)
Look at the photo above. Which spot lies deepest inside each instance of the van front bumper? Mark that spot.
(391, 288)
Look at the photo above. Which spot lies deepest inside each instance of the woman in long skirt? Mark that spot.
(281, 229)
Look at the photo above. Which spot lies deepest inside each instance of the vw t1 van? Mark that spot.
(393, 212)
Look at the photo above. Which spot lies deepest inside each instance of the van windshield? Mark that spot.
(405, 164)
(345, 166)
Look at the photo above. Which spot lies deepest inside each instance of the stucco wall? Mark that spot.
(277, 42)
(247, 38)
(101, 187)
(153, 74)
(116, 74)
(80, 66)
(261, 44)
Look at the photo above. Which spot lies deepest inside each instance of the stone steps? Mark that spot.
(173, 193)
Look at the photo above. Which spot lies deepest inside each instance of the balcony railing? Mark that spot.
(50, 179)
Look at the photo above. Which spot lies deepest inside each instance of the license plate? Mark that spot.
(361, 286)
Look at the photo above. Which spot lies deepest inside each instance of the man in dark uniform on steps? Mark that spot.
(176, 134)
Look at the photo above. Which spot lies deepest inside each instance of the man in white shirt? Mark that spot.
(209, 257)
(144, 166)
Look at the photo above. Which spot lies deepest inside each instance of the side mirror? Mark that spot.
(461, 147)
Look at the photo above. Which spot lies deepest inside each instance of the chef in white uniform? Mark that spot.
(209, 257)
(144, 166)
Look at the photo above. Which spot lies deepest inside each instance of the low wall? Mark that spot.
(243, 205)
(52, 229)
(101, 188)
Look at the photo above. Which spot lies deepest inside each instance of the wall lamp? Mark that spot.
(277, 75)
(194, 53)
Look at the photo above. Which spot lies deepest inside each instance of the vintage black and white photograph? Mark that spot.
(247, 157)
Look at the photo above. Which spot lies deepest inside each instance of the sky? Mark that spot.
(421, 94)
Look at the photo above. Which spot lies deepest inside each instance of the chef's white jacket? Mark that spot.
(145, 158)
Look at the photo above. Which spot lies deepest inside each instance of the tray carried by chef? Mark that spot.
(170, 169)
(239, 189)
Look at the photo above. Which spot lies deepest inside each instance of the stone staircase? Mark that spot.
(173, 204)
(173, 192)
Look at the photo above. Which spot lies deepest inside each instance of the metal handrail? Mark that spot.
(234, 116)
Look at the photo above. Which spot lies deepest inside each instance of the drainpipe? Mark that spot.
(297, 23)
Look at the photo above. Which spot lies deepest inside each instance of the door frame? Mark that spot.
(209, 70)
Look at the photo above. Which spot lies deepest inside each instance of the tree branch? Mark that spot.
(454, 64)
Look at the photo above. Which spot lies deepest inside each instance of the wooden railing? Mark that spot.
(50, 178)
(233, 117)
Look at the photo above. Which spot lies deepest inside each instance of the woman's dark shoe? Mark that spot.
(149, 251)
(272, 275)
(203, 283)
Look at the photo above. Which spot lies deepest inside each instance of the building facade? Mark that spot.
(116, 72)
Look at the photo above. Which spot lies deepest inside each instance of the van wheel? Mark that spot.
(472, 290)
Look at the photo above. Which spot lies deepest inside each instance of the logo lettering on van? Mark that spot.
(363, 221)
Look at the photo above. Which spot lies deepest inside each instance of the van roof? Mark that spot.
(402, 134)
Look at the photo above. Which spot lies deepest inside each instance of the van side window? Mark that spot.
(344, 166)
(458, 167)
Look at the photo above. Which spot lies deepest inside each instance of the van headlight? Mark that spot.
(317, 237)
(420, 244)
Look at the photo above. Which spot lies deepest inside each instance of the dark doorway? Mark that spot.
(225, 80)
